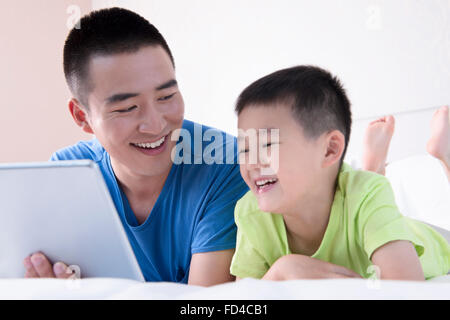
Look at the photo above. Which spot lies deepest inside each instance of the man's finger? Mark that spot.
(42, 266)
(61, 270)
(29, 269)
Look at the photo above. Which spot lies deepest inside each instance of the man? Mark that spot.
(178, 216)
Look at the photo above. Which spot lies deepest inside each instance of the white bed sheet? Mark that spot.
(421, 189)
(105, 288)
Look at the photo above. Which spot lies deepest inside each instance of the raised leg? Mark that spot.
(376, 142)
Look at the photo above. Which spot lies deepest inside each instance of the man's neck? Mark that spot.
(142, 191)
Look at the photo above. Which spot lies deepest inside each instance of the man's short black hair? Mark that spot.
(105, 32)
(317, 99)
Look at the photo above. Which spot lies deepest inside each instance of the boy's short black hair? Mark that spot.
(317, 98)
(105, 32)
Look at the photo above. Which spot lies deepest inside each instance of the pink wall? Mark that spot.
(34, 117)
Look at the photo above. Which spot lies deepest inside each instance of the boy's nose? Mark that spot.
(252, 166)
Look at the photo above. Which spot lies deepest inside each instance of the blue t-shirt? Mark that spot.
(195, 210)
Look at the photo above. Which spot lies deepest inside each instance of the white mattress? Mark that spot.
(104, 288)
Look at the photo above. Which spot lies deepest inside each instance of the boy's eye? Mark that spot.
(243, 151)
(268, 144)
(126, 110)
(166, 97)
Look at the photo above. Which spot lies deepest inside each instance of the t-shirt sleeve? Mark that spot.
(379, 220)
(216, 229)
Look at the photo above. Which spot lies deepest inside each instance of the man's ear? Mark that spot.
(334, 147)
(80, 115)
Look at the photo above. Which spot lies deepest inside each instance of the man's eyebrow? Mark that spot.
(168, 84)
(124, 96)
(120, 97)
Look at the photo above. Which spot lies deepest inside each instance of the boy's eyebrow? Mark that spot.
(124, 96)
(268, 130)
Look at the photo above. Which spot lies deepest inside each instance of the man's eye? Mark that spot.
(126, 110)
(243, 151)
(166, 97)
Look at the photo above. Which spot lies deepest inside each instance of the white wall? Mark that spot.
(391, 55)
(34, 116)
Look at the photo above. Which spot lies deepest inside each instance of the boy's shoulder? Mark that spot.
(352, 182)
(247, 205)
(247, 213)
(361, 194)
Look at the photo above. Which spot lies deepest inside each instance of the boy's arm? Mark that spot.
(398, 260)
(385, 234)
(210, 268)
(296, 266)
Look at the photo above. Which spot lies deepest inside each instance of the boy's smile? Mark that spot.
(264, 184)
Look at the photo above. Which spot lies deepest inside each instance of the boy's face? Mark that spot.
(134, 100)
(298, 171)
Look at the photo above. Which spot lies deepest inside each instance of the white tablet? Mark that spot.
(63, 209)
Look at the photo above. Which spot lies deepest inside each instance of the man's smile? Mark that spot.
(152, 147)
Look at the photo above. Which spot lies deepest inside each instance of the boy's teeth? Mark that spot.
(263, 182)
(151, 145)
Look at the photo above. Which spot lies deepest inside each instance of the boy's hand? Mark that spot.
(296, 266)
(38, 266)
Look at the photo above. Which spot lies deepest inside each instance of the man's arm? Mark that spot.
(398, 260)
(211, 268)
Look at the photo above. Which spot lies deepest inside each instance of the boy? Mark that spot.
(310, 215)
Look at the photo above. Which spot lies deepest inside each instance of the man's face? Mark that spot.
(134, 106)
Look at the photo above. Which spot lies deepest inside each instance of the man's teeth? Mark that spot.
(151, 145)
(263, 182)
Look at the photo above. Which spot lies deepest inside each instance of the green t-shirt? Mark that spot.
(363, 217)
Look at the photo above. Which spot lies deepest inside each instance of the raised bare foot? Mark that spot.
(439, 144)
(376, 142)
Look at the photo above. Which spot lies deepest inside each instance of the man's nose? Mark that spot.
(152, 121)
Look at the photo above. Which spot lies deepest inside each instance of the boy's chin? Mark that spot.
(266, 205)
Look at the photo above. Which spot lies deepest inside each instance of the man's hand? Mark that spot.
(38, 266)
(296, 266)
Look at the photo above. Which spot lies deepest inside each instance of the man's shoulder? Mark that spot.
(91, 149)
(207, 148)
(207, 134)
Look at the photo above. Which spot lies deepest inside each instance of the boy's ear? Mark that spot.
(334, 147)
(80, 115)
